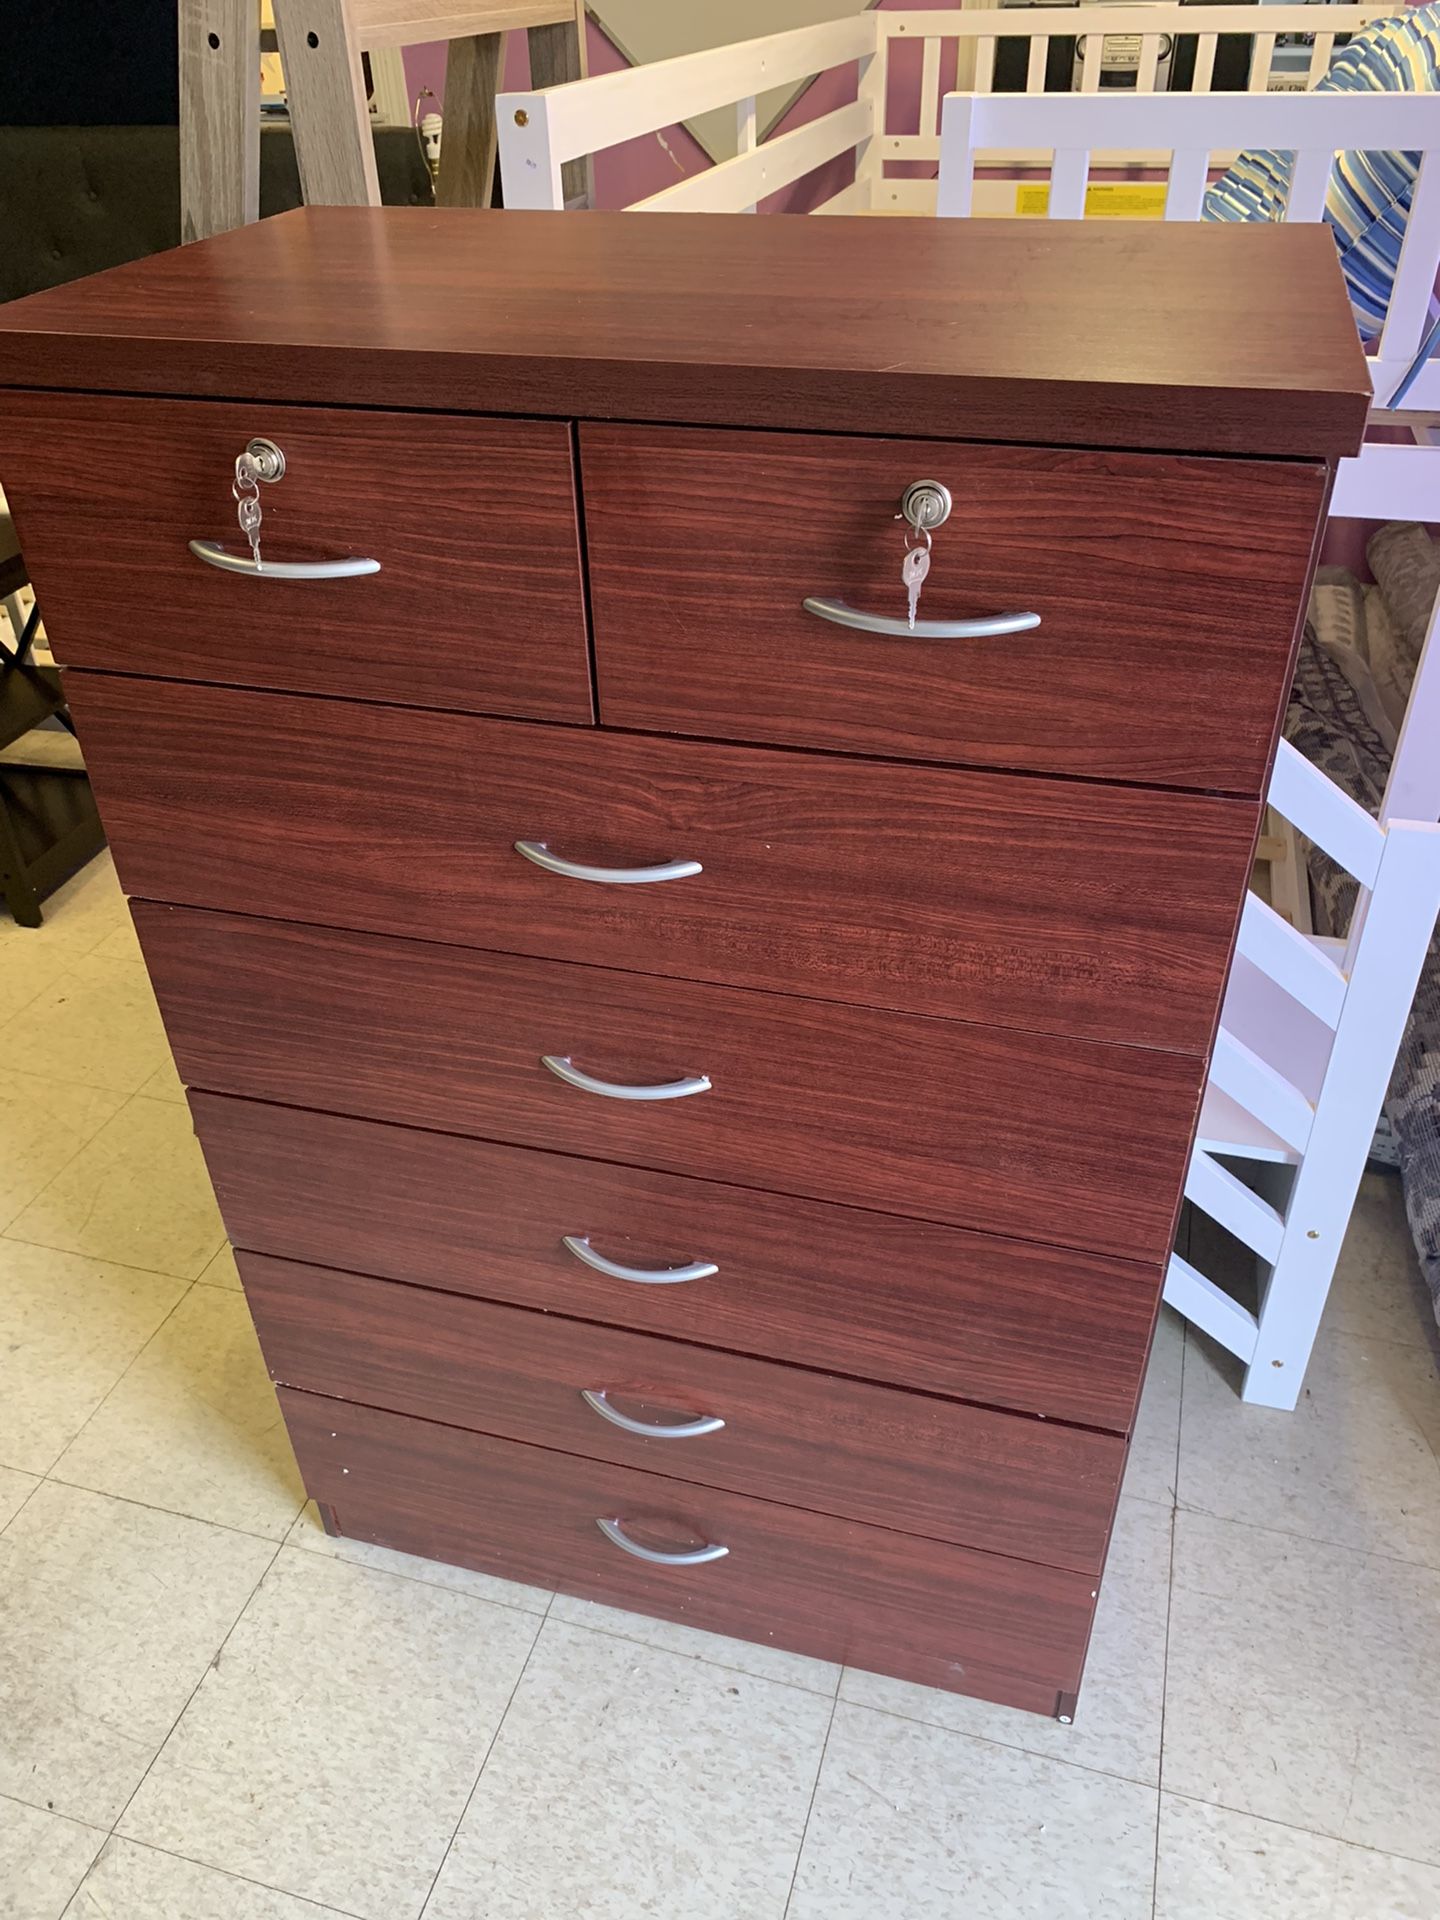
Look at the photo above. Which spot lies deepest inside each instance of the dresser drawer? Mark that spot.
(971, 1316)
(1063, 1141)
(1098, 911)
(923, 1610)
(998, 1481)
(477, 604)
(1169, 592)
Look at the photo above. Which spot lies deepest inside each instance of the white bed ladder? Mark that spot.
(1310, 1027)
(1308, 1037)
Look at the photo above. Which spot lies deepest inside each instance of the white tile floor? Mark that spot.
(210, 1711)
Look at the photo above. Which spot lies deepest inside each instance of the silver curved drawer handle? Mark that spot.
(564, 1069)
(901, 629)
(594, 1397)
(697, 1557)
(215, 554)
(580, 1246)
(537, 851)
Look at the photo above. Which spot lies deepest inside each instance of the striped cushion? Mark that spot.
(1368, 201)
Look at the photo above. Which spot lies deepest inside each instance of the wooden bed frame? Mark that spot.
(1311, 1026)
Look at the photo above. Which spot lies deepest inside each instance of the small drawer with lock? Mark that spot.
(1115, 616)
(428, 560)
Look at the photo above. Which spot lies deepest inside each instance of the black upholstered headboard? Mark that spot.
(77, 199)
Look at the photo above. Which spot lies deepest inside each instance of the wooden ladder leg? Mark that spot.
(219, 116)
(557, 55)
(468, 143)
(329, 117)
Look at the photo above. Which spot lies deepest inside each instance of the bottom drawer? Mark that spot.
(921, 1610)
(1036, 1489)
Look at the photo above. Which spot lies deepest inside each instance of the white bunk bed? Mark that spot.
(540, 130)
(1311, 1026)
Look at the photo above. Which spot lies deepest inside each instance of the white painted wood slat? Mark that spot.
(1297, 964)
(1185, 187)
(1309, 179)
(748, 177)
(1325, 815)
(1262, 55)
(1239, 1071)
(1205, 1305)
(589, 115)
(930, 88)
(1231, 1202)
(1069, 176)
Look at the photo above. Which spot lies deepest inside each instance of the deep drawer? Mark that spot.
(968, 1315)
(920, 1609)
(998, 1481)
(1096, 911)
(1062, 1141)
(1169, 592)
(477, 604)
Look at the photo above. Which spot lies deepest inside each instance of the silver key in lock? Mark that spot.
(912, 572)
(261, 460)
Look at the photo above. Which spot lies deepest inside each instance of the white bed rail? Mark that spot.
(541, 129)
(1079, 131)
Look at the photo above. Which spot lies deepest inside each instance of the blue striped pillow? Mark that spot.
(1368, 201)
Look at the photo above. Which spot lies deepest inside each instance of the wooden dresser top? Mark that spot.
(1203, 338)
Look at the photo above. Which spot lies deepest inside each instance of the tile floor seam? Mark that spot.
(124, 1266)
(206, 1866)
(173, 1513)
(210, 1665)
(1310, 1833)
(705, 1659)
(69, 1818)
(1164, 1696)
(1311, 1539)
(810, 1804)
(424, 1906)
(6, 1225)
(438, 1586)
(989, 1740)
(39, 1480)
(115, 1384)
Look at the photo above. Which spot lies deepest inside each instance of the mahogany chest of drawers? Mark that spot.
(698, 1073)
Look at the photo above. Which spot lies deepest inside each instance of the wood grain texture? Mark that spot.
(329, 113)
(219, 72)
(477, 605)
(1235, 338)
(469, 150)
(969, 1316)
(923, 1610)
(1100, 912)
(1170, 593)
(997, 1481)
(1062, 1141)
